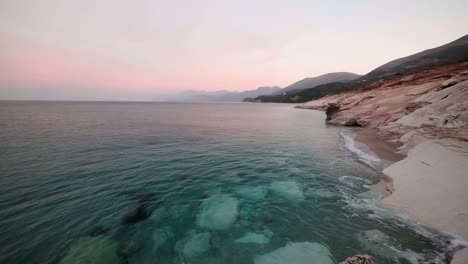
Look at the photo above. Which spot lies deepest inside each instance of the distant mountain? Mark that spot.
(191, 95)
(322, 79)
(219, 96)
(239, 96)
(453, 52)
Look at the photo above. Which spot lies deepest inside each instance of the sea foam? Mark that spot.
(364, 157)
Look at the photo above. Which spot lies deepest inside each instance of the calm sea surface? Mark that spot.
(90, 182)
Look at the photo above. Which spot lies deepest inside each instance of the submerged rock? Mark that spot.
(253, 238)
(161, 235)
(136, 215)
(252, 192)
(179, 211)
(218, 212)
(268, 233)
(140, 212)
(92, 250)
(297, 253)
(287, 189)
(359, 259)
(159, 214)
(196, 244)
(250, 214)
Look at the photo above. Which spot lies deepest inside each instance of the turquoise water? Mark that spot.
(191, 183)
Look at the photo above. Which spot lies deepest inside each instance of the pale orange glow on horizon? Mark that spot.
(155, 47)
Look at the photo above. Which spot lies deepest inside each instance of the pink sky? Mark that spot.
(136, 50)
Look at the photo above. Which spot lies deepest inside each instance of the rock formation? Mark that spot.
(359, 259)
(426, 113)
(408, 109)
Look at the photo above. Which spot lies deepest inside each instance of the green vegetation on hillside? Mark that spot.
(456, 51)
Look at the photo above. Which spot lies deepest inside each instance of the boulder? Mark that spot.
(218, 212)
(332, 110)
(287, 189)
(252, 192)
(253, 238)
(161, 235)
(359, 259)
(196, 244)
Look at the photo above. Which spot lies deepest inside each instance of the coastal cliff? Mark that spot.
(409, 110)
(426, 115)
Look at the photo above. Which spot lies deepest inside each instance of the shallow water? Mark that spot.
(191, 183)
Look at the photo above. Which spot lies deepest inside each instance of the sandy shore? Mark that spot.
(431, 184)
(384, 150)
(368, 141)
(416, 111)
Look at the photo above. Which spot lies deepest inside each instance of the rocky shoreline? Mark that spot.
(408, 110)
(426, 115)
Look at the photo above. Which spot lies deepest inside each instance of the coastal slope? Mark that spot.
(322, 79)
(426, 115)
(308, 88)
(453, 52)
(409, 110)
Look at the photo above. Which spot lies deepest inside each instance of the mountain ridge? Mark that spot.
(321, 79)
(452, 52)
(219, 96)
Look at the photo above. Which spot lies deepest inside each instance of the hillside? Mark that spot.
(239, 96)
(218, 96)
(452, 52)
(433, 103)
(426, 115)
(456, 51)
(322, 79)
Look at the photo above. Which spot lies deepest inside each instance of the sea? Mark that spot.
(147, 182)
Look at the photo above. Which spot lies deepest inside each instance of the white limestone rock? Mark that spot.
(158, 214)
(196, 244)
(252, 192)
(297, 253)
(161, 235)
(253, 238)
(287, 189)
(218, 212)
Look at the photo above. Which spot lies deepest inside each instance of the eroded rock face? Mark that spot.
(359, 259)
(407, 110)
(332, 110)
